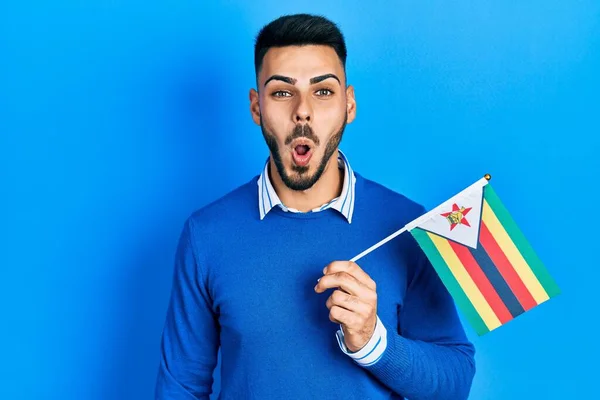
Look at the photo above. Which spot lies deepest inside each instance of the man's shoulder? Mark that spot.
(235, 205)
(381, 192)
(382, 197)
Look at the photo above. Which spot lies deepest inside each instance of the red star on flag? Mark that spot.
(457, 216)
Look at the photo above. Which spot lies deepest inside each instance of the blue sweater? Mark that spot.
(246, 285)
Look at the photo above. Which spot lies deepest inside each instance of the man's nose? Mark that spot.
(303, 112)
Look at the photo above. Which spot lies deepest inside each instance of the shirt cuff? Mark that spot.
(372, 351)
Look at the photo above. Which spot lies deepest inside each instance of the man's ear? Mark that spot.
(254, 106)
(350, 104)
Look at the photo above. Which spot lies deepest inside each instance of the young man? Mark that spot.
(247, 264)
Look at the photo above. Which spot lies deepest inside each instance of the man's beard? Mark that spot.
(303, 181)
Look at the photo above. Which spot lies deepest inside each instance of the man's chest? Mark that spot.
(255, 296)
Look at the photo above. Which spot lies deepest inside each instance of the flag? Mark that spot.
(483, 258)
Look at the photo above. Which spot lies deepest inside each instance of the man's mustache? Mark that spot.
(302, 131)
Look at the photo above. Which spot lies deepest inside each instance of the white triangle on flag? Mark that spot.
(457, 219)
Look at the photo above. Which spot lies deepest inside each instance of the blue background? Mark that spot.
(116, 116)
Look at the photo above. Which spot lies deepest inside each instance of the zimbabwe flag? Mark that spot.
(483, 258)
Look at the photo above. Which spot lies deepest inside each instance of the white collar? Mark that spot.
(267, 197)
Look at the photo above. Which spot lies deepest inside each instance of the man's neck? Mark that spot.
(327, 188)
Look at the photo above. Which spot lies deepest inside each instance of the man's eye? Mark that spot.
(324, 92)
(281, 93)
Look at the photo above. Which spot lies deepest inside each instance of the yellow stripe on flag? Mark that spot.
(513, 254)
(466, 282)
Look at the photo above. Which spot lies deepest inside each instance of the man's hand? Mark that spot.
(353, 304)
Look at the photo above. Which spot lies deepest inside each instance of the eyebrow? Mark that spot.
(285, 79)
(321, 78)
(293, 81)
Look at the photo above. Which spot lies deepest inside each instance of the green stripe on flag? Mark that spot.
(449, 280)
(521, 242)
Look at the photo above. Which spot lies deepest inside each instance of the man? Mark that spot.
(261, 274)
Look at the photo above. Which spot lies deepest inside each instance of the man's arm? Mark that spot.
(190, 339)
(427, 357)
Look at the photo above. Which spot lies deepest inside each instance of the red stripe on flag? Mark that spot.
(482, 282)
(505, 268)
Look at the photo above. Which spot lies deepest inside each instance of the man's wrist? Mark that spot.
(371, 352)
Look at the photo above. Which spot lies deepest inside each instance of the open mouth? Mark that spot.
(301, 152)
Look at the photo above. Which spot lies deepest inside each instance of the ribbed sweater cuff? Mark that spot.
(396, 361)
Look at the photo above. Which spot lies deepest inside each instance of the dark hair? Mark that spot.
(298, 30)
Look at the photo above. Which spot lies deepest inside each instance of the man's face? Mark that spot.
(302, 106)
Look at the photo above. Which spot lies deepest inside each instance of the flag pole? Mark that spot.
(392, 236)
(381, 243)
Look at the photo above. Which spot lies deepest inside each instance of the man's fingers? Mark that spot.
(342, 316)
(344, 281)
(353, 269)
(348, 302)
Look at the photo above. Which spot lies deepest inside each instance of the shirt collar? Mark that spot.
(267, 197)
